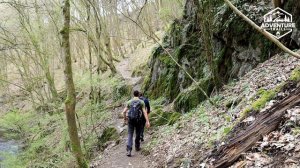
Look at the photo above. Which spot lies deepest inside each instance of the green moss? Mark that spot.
(265, 96)
(192, 96)
(295, 75)
(226, 130)
(240, 27)
(159, 117)
(165, 85)
(109, 134)
(120, 90)
(146, 82)
(245, 112)
(227, 118)
(266, 46)
(220, 56)
(166, 59)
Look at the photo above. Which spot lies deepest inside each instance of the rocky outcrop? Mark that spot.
(237, 48)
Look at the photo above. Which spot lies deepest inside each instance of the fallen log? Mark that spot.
(264, 123)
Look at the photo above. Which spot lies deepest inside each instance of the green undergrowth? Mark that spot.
(109, 134)
(140, 70)
(197, 123)
(110, 87)
(45, 135)
(295, 75)
(15, 124)
(159, 117)
(39, 134)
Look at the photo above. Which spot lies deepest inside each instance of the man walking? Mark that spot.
(134, 110)
(147, 105)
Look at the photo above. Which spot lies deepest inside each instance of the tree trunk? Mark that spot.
(51, 83)
(264, 123)
(70, 102)
(109, 54)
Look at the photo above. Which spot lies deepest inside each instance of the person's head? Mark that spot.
(141, 94)
(136, 93)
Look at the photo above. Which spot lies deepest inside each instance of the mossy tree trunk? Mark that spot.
(70, 102)
(109, 54)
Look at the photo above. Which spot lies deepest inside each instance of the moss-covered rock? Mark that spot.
(109, 134)
(158, 117)
(120, 90)
(192, 96)
(237, 48)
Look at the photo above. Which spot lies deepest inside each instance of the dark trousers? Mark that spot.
(143, 123)
(134, 125)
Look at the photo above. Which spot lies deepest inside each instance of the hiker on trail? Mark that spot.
(147, 104)
(134, 110)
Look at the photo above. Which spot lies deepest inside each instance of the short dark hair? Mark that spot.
(136, 93)
(141, 94)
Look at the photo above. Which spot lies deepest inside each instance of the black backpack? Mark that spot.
(135, 111)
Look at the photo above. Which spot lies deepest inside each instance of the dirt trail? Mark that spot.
(124, 69)
(115, 155)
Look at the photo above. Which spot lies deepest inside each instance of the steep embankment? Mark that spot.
(240, 57)
(237, 48)
(193, 137)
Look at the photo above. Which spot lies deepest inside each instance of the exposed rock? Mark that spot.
(238, 48)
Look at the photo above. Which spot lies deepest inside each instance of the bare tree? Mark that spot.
(70, 101)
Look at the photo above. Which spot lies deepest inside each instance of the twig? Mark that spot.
(138, 16)
(22, 88)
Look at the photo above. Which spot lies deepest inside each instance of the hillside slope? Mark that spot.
(192, 138)
(237, 48)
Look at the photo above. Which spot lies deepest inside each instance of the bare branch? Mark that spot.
(262, 31)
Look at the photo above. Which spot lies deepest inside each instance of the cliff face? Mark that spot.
(237, 48)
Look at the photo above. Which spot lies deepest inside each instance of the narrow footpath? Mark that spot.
(115, 155)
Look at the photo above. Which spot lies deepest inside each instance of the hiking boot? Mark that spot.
(128, 153)
(142, 139)
(137, 148)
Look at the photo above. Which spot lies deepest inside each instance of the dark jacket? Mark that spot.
(147, 104)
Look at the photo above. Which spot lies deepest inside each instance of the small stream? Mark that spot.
(8, 147)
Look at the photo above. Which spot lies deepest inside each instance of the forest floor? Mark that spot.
(191, 139)
(114, 156)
